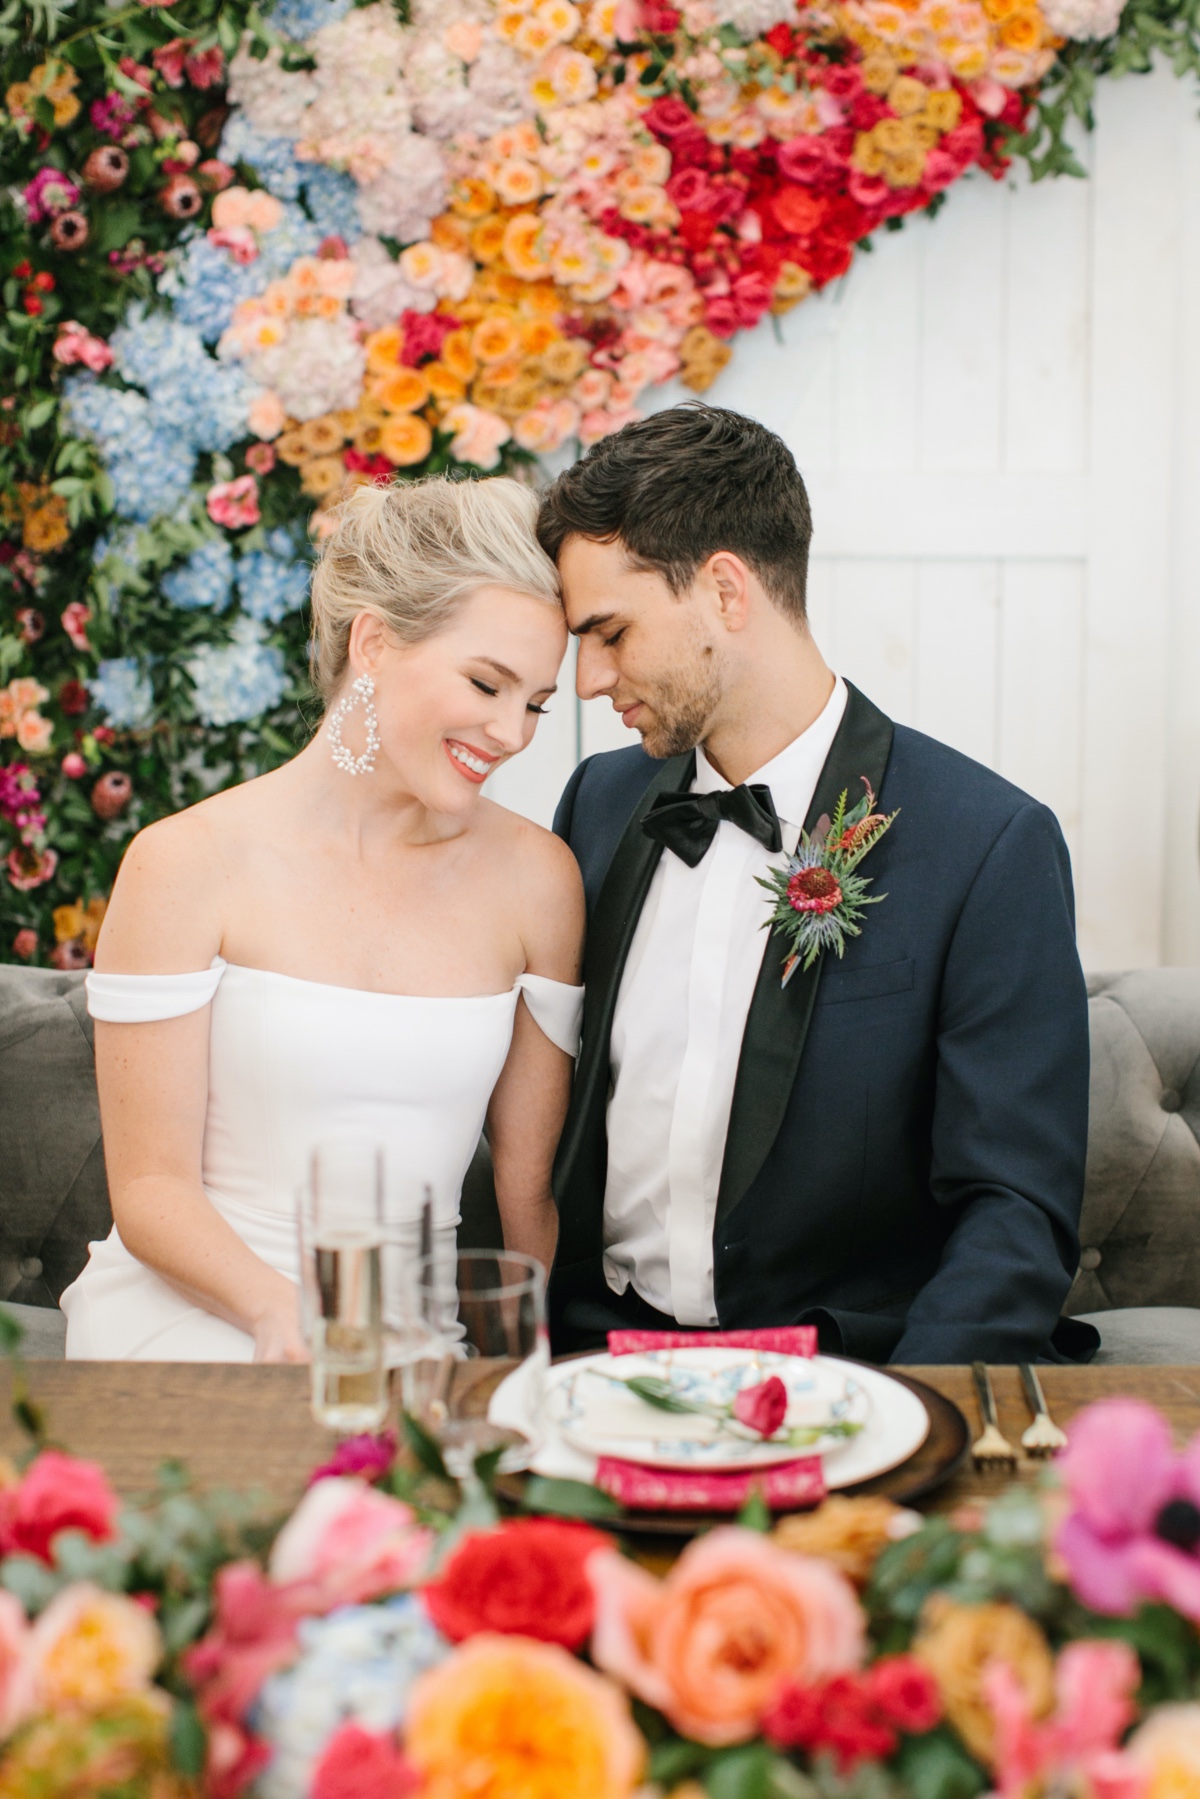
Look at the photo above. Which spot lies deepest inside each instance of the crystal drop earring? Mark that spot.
(362, 693)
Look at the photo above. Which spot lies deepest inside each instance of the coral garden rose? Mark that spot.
(58, 1492)
(346, 1544)
(505, 1715)
(90, 1648)
(710, 1645)
(526, 1578)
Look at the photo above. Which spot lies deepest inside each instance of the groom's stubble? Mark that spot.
(682, 704)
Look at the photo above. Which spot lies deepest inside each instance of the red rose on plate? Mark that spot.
(762, 1407)
(57, 1493)
(524, 1578)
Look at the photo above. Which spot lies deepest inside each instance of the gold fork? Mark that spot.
(992, 1447)
(1043, 1436)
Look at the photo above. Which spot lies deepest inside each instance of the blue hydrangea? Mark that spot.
(332, 199)
(121, 543)
(150, 465)
(204, 401)
(270, 587)
(271, 158)
(206, 284)
(358, 1664)
(123, 693)
(300, 18)
(237, 681)
(205, 579)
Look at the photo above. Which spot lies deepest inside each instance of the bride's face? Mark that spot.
(457, 706)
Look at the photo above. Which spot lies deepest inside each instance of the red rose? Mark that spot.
(835, 1714)
(57, 1493)
(782, 39)
(798, 210)
(524, 1578)
(668, 117)
(721, 316)
(73, 697)
(688, 189)
(762, 1407)
(905, 1693)
(357, 1764)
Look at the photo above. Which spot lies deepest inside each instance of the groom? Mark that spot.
(891, 1145)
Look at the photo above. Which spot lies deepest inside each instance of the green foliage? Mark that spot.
(569, 1499)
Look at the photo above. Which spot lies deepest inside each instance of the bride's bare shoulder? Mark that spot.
(167, 907)
(543, 875)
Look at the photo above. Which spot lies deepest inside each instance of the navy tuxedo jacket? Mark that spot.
(905, 1156)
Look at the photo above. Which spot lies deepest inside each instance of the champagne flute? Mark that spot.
(341, 1241)
(483, 1313)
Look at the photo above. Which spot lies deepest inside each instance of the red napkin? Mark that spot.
(789, 1486)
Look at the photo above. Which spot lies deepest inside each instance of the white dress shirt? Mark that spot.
(677, 1037)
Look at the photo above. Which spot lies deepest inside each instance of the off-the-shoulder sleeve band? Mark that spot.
(556, 1008)
(147, 998)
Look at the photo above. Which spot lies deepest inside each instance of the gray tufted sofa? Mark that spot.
(1139, 1271)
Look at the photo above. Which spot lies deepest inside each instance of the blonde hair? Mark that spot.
(413, 552)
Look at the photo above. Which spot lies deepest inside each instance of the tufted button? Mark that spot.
(30, 1268)
(1170, 1100)
(1089, 1259)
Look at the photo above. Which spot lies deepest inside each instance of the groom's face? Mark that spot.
(652, 652)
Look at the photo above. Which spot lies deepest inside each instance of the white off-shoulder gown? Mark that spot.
(292, 1062)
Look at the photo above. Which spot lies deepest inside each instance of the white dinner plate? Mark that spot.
(593, 1409)
(896, 1425)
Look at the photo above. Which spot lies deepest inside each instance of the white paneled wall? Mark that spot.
(998, 416)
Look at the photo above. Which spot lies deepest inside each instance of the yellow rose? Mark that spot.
(322, 436)
(943, 109)
(1167, 1747)
(850, 1533)
(907, 95)
(957, 1642)
(291, 447)
(91, 1648)
(321, 475)
(868, 155)
(878, 72)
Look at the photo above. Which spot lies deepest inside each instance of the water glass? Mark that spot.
(483, 1313)
(341, 1243)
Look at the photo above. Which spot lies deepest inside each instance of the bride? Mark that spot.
(358, 943)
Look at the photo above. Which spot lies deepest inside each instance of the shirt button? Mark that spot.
(1089, 1259)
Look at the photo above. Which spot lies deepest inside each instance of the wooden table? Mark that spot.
(251, 1428)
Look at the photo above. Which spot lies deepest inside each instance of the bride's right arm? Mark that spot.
(153, 1081)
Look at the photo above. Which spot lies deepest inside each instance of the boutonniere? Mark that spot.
(819, 899)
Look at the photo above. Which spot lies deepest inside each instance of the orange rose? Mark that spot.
(405, 440)
(383, 349)
(496, 339)
(472, 198)
(710, 1645)
(487, 239)
(506, 1715)
(523, 249)
(444, 384)
(404, 390)
(457, 355)
(1022, 31)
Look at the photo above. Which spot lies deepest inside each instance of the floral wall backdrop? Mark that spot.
(253, 255)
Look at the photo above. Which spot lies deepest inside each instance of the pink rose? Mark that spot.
(710, 1645)
(206, 69)
(16, 1677)
(74, 766)
(763, 1407)
(266, 416)
(234, 503)
(58, 1492)
(25, 945)
(260, 458)
(29, 868)
(75, 621)
(357, 1764)
(239, 240)
(345, 1543)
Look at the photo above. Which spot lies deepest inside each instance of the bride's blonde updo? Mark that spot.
(413, 552)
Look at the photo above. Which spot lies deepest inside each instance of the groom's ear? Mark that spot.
(729, 582)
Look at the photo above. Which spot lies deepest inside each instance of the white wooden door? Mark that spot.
(998, 416)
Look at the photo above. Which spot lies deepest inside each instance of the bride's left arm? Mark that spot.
(529, 1104)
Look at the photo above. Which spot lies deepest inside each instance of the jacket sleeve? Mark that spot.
(564, 812)
(1009, 1136)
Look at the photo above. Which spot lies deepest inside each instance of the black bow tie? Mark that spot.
(687, 822)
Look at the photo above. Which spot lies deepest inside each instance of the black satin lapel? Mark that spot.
(579, 1168)
(778, 1020)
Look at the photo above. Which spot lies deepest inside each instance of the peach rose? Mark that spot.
(34, 733)
(16, 1682)
(266, 415)
(709, 1645)
(350, 1544)
(478, 434)
(505, 1715)
(89, 1648)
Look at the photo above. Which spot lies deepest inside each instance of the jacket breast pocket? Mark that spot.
(873, 982)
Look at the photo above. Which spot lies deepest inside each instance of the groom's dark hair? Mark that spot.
(679, 486)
